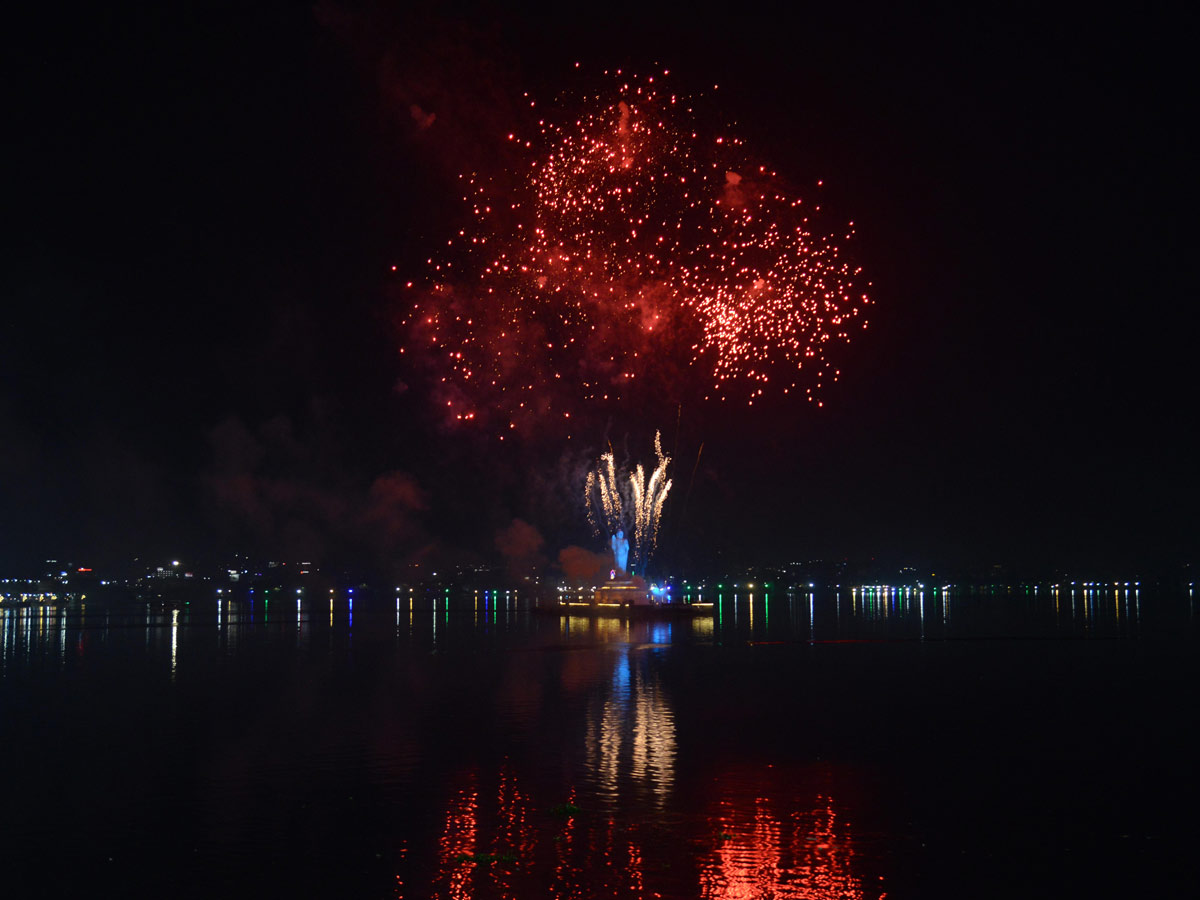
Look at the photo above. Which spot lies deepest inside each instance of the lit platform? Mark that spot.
(627, 611)
(630, 598)
(624, 593)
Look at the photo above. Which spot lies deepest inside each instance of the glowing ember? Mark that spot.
(623, 246)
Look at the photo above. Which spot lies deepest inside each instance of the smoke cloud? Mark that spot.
(287, 495)
(422, 118)
(581, 566)
(520, 544)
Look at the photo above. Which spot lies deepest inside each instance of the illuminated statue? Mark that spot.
(620, 549)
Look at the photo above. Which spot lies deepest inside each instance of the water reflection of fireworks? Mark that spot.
(756, 840)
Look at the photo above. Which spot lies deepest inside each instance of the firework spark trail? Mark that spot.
(602, 495)
(624, 241)
(606, 506)
(648, 500)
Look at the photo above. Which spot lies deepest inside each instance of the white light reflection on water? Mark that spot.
(912, 612)
(702, 628)
(174, 641)
(630, 732)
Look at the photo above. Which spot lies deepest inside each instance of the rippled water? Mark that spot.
(1023, 742)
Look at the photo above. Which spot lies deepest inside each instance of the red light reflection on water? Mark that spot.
(764, 852)
(516, 848)
(459, 839)
(762, 835)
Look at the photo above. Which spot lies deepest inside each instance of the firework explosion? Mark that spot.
(606, 503)
(623, 246)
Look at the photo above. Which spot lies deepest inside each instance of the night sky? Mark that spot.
(204, 203)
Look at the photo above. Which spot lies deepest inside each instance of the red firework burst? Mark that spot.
(628, 246)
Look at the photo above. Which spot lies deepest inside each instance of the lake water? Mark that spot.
(858, 744)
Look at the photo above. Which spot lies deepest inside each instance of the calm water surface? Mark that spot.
(856, 744)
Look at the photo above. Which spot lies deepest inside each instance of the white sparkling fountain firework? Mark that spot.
(602, 494)
(645, 497)
(648, 499)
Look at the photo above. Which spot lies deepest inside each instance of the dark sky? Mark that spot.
(203, 203)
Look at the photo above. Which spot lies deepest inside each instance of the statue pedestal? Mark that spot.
(627, 591)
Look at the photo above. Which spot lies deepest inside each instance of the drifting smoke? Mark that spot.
(276, 488)
(520, 544)
(581, 566)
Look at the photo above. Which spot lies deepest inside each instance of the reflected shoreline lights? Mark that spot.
(811, 616)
